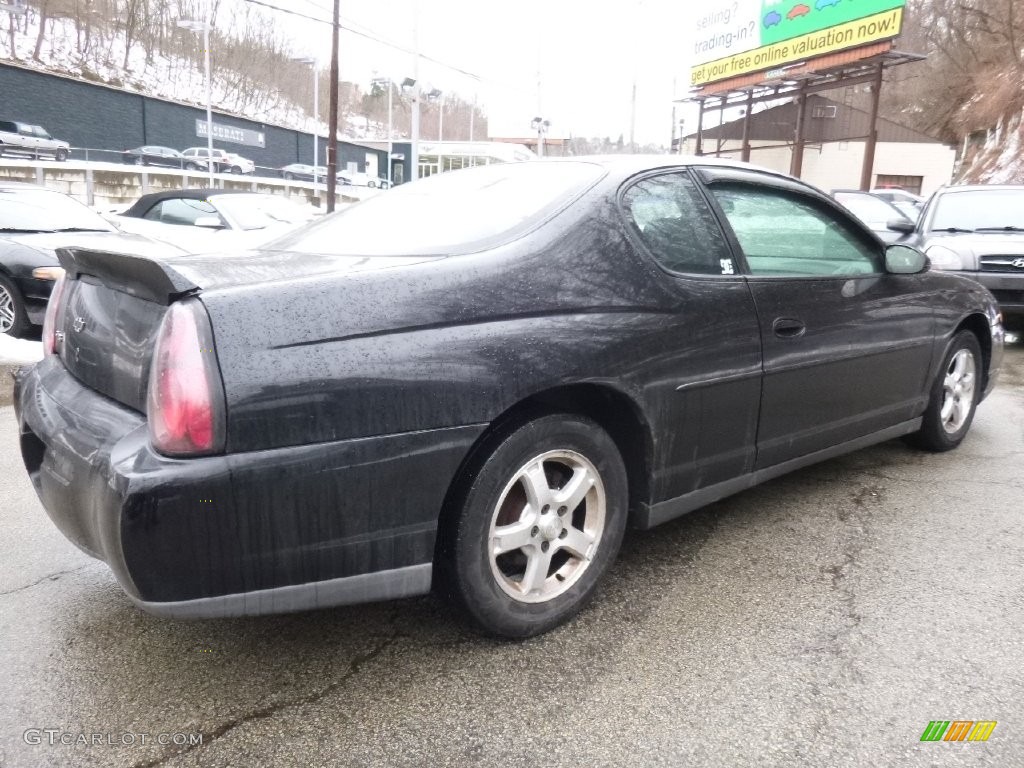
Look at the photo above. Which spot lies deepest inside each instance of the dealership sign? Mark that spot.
(232, 134)
(740, 37)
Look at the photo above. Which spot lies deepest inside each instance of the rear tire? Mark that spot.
(954, 396)
(538, 521)
(13, 317)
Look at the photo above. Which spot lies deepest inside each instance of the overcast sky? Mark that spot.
(587, 55)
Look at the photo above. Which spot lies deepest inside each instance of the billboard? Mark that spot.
(740, 37)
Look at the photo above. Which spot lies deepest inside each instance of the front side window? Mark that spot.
(677, 226)
(787, 234)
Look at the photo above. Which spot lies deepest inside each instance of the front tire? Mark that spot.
(539, 521)
(62, 155)
(13, 317)
(954, 396)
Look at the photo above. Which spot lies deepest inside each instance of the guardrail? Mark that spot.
(106, 184)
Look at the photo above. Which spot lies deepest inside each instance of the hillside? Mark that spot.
(970, 89)
(136, 45)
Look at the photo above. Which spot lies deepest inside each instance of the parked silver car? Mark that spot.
(978, 231)
(30, 141)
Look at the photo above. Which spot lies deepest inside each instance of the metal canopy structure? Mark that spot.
(796, 82)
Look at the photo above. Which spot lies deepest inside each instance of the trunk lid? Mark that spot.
(109, 316)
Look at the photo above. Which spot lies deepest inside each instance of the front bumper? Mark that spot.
(267, 531)
(1007, 287)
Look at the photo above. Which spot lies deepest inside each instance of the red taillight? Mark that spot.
(50, 319)
(186, 396)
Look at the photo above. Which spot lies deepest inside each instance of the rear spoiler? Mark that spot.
(140, 276)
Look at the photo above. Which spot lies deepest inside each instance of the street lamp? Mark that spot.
(311, 62)
(204, 26)
(540, 125)
(413, 85)
(435, 94)
(381, 81)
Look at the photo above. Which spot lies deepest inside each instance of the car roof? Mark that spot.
(146, 202)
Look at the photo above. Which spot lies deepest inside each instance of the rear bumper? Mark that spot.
(261, 532)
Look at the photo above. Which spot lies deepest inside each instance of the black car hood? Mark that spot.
(47, 243)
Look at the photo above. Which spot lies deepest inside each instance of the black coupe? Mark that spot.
(475, 381)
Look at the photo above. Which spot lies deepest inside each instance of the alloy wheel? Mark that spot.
(546, 526)
(7, 315)
(958, 390)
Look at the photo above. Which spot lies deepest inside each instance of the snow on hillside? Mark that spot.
(999, 159)
(168, 77)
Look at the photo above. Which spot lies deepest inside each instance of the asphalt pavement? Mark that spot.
(822, 619)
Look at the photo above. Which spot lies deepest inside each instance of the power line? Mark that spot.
(377, 39)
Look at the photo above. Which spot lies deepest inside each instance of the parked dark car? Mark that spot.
(480, 398)
(303, 172)
(876, 213)
(34, 223)
(162, 156)
(978, 231)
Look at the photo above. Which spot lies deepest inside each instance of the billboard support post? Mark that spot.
(721, 121)
(869, 146)
(700, 128)
(745, 151)
(797, 164)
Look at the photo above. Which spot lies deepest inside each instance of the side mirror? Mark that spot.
(906, 226)
(904, 260)
(208, 222)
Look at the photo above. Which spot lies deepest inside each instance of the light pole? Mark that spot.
(435, 94)
(311, 62)
(413, 85)
(204, 26)
(540, 125)
(380, 81)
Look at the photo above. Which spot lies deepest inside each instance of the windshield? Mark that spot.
(41, 210)
(980, 209)
(450, 212)
(868, 208)
(262, 211)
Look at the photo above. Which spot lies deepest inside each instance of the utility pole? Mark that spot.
(332, 131)
(414, 170)
(632, 120)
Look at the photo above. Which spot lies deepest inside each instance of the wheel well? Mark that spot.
(978, 325)
(613, 411)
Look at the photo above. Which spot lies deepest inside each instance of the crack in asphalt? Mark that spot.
(50, 577)
(354, 667)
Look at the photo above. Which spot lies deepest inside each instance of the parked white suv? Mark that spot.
(223, 161)
(31, 140)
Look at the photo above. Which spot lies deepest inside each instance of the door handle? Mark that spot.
(788, 327)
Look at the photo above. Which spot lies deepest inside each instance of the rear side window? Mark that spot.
(448, 213)
(673, 220)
